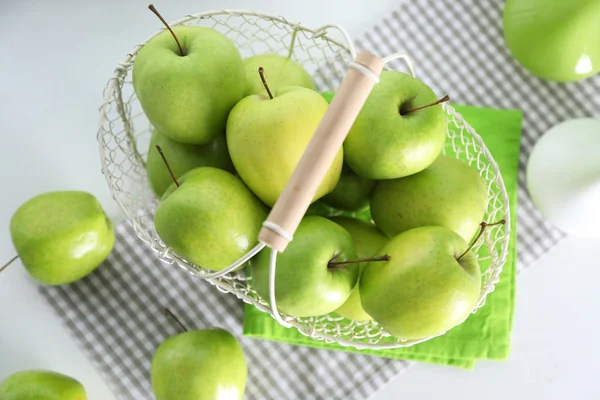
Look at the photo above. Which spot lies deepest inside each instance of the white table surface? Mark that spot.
(55, 59)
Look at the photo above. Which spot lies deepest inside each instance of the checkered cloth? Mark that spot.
(115, 314)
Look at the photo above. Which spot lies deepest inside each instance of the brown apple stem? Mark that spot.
(168, 313)
(8, 263)
(484, 226)
(442, 100)
(334, 264)
(167, 164)
(155, 11)
(261, 72)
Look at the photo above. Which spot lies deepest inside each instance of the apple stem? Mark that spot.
(8, 263)
(155, 11)
(168, 313)
(484, 226)
(261, 72)
(167, 164)
(334, 264)
(442, 100)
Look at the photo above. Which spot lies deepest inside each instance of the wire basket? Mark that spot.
(124, 137)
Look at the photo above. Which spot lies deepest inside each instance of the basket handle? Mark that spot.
(284, 218)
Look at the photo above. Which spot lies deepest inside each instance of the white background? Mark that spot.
(55, 58)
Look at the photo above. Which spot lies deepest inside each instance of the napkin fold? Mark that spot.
(485, 334)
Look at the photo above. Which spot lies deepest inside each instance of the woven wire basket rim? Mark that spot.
(224, 284)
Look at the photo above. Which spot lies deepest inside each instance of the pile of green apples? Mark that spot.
(230, 131)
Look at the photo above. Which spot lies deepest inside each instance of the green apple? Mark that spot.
(41, 385)
(390, 137)
(188, 97)
(352, 193)
(321, 209)
(199, 365)
(448, 193)
(368, 240)
(183, 158)
(267, 136)
(554, 39)
(307, 280)
(62, 236)
(279, 70)
(426, 287)
(211, 219)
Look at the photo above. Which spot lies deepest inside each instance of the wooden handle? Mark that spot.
(327, 140)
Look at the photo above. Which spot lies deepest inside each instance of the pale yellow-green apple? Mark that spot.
(399, 131)
(308, 280)
(352, 193)
(211, 219)
(187, 90)
(61, 236)
(183, 158)
(448, 193)
(426, 287)
(279, 70)
(267, 136)
(41, 385)
(199, 365)
(368, 240)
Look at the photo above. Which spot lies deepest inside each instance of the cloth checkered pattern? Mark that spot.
(115, 314)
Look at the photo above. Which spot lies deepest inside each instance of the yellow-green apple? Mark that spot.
(41, 385)
(352, 193)
(209, 217)
(199, 365)
(183, 158)
(448, 193)
(61, 236)
(428, 285)
(267, 136)
(188, 81)
(308, 280)
(399, 131)
(279, 70)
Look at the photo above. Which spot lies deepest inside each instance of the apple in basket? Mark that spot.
(448, 193)
(183, 158)
(267, 134)
(430, 283)
(399, 131)
(279, 71)
(187, 79)
(312, 276)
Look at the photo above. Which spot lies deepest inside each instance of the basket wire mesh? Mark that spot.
(124, 136)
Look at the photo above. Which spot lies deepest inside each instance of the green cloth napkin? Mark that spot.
(485, 334)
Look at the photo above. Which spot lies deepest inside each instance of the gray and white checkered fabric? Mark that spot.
(115, 314)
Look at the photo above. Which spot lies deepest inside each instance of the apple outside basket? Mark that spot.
(124, 136)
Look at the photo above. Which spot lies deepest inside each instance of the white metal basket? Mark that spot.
(124, 136)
